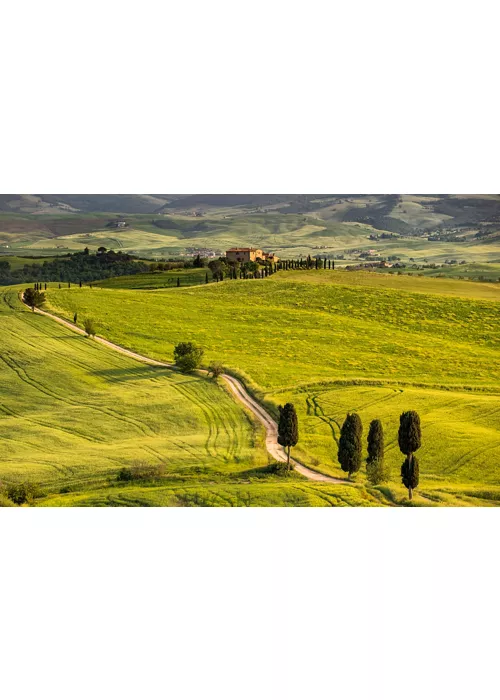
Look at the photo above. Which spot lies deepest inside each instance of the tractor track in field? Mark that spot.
(237, 390)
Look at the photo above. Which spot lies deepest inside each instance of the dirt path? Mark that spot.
(237, 389)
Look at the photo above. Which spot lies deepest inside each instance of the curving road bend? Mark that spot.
(237, 389)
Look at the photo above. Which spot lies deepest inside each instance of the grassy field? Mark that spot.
(17, 263)
(157, 280)
(473, 271)
(336, 341)
(73, 413)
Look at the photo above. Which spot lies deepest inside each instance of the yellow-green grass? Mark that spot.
(461, 429)
(157, 280)
(72, 413)
(333, 342)
(473, 271)
(405, 283)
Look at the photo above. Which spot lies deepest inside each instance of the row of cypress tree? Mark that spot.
(350, 451)
(307, 264)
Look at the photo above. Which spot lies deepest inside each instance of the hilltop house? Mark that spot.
(243, 255)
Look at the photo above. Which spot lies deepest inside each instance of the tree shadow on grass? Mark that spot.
(125, 374)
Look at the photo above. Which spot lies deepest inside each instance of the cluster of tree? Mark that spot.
(172, 264)
(75, 267)
(409, 439)
(222, 269)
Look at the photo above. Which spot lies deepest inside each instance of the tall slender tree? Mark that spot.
(350, 447)
(375, 465)
(409, 440)
(288, 428)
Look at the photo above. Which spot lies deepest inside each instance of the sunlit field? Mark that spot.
(333, 342)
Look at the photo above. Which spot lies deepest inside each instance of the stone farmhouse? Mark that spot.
(243, 255)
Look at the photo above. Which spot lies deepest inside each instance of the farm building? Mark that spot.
(244, 255)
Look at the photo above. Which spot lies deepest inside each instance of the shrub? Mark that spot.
(89, 327)
(141, 471)
(216, 369)
(188, 356)
(25, 492)
(125, 474)
(281, 469)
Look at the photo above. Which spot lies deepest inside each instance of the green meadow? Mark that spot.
(74, 413)
(333, 342)
(157, 280)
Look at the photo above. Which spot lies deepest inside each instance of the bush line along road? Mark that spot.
(237, 389)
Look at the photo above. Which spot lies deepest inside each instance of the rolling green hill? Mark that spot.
(74, 413)
(333, 342)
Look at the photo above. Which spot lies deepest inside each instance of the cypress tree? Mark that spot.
(80, 284)
(59, 285)
(410, 474)
(206, 277)
(75, 318)
(333, 264)
(409, 440)
(45, 285)
(178, 281)
(324, 264)
(375, 462)
(288, 428)
(349, 453)
(69, 285)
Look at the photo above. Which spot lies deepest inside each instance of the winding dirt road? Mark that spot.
(237, 389)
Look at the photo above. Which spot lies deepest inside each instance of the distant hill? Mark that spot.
(82, 203)
(402, 214)
(419, 227)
